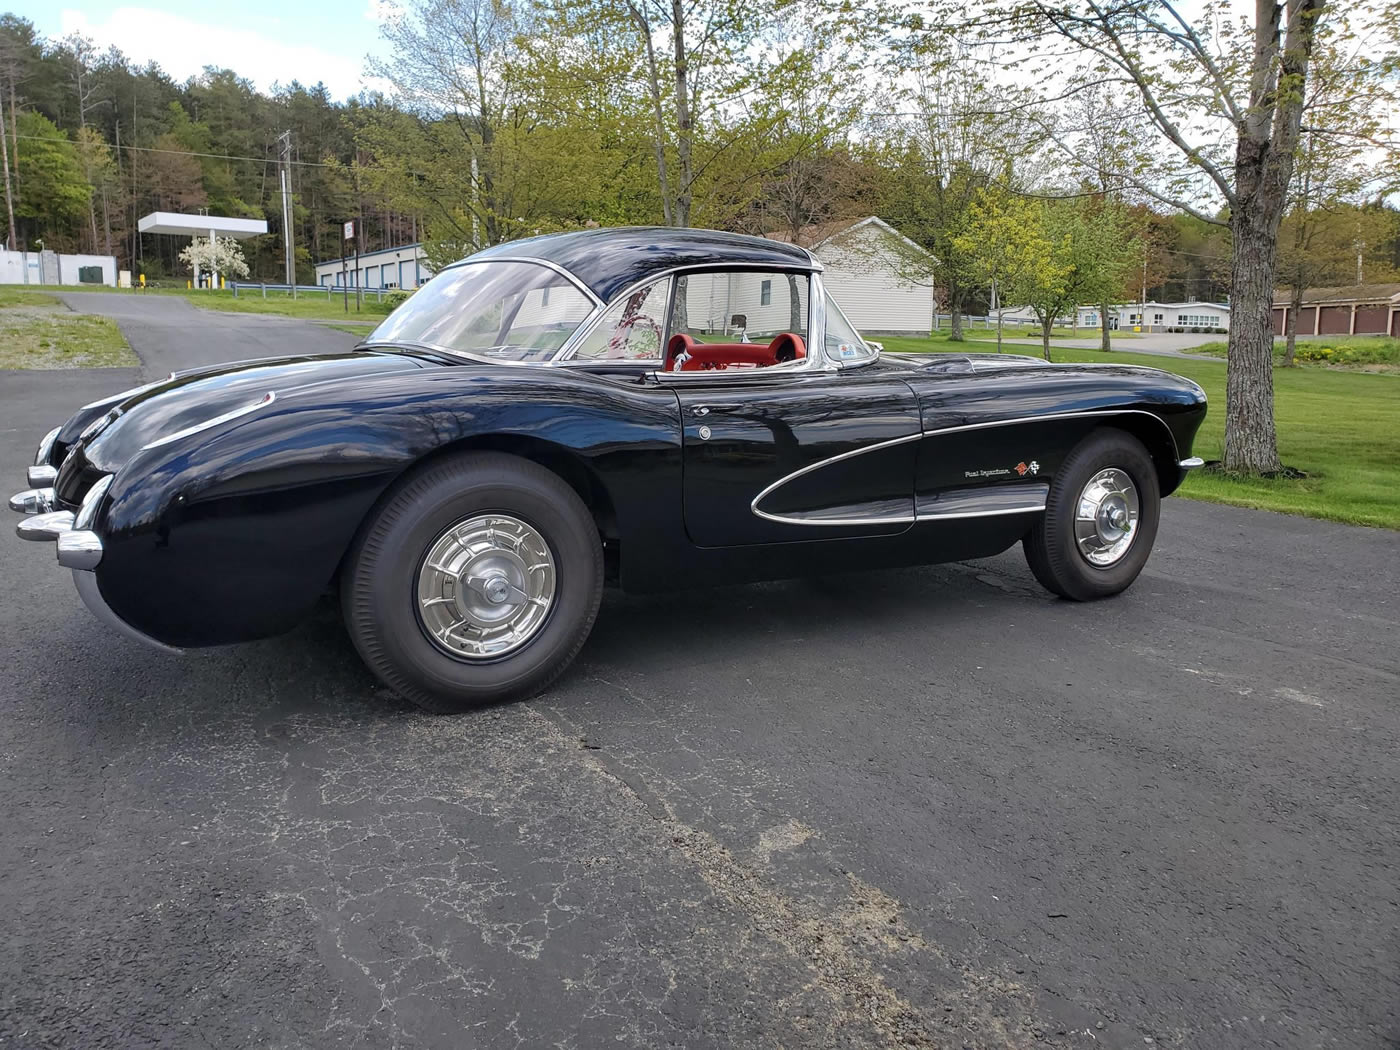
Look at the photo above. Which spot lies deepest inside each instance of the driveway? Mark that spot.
(168, 333)
(1165, 344)
(929, 807)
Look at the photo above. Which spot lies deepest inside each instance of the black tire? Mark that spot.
(1051, 547)
(379, 596)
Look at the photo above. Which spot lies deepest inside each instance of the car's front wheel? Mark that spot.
(1100, 519)
(477, 582)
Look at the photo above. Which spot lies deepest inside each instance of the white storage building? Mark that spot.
(868, 264)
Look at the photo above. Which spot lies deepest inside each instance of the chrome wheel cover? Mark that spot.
(1106, 520)
(485, 587)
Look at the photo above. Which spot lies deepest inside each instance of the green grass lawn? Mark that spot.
(37, 331)
(1342, 428)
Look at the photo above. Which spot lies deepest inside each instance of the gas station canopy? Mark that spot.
(200, 225)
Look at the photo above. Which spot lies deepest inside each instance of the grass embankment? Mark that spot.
(1366, 353)
(310, 305)
(1339, 427)
(38, 331)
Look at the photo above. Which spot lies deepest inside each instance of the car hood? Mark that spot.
(114, 430)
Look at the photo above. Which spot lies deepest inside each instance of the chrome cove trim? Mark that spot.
(996, 512)
(32, 501)
(786, 520)
(41, 454)
(267, 399)
(86, 582)
(932, 516)
(1191, 463)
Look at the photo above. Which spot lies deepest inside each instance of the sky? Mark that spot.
(266, 41)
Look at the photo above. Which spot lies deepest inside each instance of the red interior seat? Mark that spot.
(684, 354)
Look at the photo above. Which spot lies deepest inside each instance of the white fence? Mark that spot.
(53, 268)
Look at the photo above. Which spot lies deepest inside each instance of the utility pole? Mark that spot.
(286, 140)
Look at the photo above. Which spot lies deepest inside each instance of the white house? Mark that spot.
(867, 265)
(401, 267)
(1159, 317)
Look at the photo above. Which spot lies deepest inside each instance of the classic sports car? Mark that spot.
(652, 407)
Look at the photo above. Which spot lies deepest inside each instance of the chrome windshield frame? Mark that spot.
(588, 320)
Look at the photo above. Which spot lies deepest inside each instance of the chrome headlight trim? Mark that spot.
(41, 456)
(226, 417)
(88, 510)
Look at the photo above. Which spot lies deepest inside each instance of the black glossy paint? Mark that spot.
(609, 260)
(233, 532)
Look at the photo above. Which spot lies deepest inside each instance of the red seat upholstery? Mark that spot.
(684, 354)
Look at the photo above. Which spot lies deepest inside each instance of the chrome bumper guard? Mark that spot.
(1192, 463)
(78, 547)
(33, 501)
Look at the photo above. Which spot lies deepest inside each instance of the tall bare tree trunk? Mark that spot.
(658, 138)
(955, 317)
(9, 199)
(1264, 153)
(1107, 343)
(1251, 440)
(683, 119)
(1045, 326)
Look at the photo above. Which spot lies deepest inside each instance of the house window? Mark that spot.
(1156, 318)
(765, 294)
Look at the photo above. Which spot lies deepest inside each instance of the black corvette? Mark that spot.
(656, 408)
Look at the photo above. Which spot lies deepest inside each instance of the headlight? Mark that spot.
(267, 399)
(45, 447)
(88, 511)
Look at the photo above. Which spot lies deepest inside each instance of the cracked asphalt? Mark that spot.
(929, 807)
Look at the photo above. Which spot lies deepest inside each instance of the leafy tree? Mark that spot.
(1088, 254)
(1191, 78)
(56, 193)
(1008, 249)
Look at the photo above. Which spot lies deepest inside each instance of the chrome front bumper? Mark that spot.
(77, 546)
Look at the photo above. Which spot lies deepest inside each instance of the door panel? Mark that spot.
(825, 456)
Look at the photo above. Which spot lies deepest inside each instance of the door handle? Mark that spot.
(705, 410)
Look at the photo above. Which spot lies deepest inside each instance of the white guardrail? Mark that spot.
(330, 291)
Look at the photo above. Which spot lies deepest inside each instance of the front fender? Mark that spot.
(234, 533)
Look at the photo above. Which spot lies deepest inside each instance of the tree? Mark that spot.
(1087, 258)
(1192, 77)
(56, 197)
(1008, 249)
(956, 140)
(221, 255)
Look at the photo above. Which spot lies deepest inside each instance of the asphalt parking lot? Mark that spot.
(928, 807)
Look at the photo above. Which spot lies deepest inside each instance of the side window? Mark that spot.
(843, 343)
(632, 327)
(742, 306)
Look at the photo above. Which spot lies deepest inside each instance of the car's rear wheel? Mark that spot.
(477, 582)
(1100, 519)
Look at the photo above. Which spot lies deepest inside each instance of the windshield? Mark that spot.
(510, 311)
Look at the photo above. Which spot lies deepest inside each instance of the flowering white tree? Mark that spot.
(215, 255)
